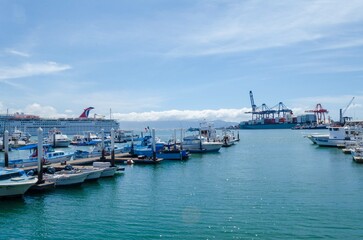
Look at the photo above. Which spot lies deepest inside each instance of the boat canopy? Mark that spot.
(32, 146)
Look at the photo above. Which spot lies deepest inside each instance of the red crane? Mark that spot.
(319, 113)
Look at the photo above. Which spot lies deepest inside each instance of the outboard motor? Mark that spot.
(68, 167)
(51, 170)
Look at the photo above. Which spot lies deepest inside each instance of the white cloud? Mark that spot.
(233, 115)
(39, 110)
(31, 69)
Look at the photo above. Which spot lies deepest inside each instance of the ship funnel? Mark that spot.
(86, 112)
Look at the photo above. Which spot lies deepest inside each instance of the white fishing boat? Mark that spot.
(57, 139)
(14, 182)
(206, 141)
(96, 151)
(65, 177)
(229, 138)
(108, 171)
(50, 156)
(88, 139)
(338, 136)
(199, 144)
(93, 173)
(312, 137)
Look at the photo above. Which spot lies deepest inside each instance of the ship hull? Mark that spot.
(268, 126)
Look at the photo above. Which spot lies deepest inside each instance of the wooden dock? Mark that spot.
(121, 158)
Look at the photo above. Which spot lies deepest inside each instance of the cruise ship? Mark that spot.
(71, 126)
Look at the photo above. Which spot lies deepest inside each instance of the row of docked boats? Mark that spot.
(15, 181)
(206, 140)
(55, 138)
(197, 140)
(348, 137)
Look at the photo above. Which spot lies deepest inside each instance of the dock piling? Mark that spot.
(154, 144)
(103, 145)
(40, 155)
(112, 147)
(6, 148)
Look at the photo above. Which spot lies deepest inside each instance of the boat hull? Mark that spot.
(326, 142)
(205, 147)
(166, 155)
(34, 161)
(67, 179)
(13, 189)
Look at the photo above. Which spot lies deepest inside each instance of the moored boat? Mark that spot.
(65, 177)
(57, 139)
(206, 141)
(50, 156)
(199, 144)
(107, 169)
(88, 139)
(93, 173)
(15, 182)
(338, 136)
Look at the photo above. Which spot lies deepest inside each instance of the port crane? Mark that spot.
(319, 112)
(342, 118)
(265, 112)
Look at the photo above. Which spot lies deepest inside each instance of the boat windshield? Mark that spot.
(9, 175)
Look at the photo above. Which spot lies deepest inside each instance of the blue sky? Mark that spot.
(161, 59)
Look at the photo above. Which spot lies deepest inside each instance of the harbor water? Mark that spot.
(273, 184)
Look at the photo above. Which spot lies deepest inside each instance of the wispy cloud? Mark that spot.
(254, 25)
(31, 69)
(17, 53)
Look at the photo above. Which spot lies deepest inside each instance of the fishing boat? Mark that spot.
(338, 136)
(65, 177)
(89, 139)
(107, 169)
(199, 144)
(93, 173)
(50, 156)
(96, 151)
(165, 153)
(57, 139)
(229, 138)
(15, 182)
(206, 141)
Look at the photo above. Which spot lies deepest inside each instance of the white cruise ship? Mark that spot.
(70, 126)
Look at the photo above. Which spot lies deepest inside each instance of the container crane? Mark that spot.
(265, 112)
(319, 112)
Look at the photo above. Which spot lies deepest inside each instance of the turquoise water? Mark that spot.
(274, 184)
